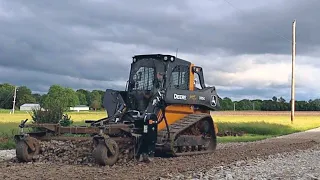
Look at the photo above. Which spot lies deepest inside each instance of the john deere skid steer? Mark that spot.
(161, 111)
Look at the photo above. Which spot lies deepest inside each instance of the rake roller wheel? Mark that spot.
(103, 156)
(24, 153)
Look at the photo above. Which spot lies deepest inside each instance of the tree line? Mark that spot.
(273, 104)
(57, 95)
(67, 97)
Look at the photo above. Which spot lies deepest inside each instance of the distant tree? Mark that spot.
(275, 99)
(283, 105)
(226, 103)
(24, 95)
(82, 98)
(37, 97)
(95, 104)
(95, 99)
(281, 100)
(102, 96)
(268, 105)
(87, 95)
(6, 95)
(314, 105)
(58, 95)
(302, 106)
(244, 104)
(72, 97)
(257, 103)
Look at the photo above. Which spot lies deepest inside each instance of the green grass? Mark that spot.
(7, 131)
(7, 144)
(258, 128)
(262, 127)
(254, 131)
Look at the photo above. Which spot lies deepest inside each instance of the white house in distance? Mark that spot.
(80, 108)
(29, 107)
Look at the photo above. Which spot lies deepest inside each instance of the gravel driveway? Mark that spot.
(294, 156)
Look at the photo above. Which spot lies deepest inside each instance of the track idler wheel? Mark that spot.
(106, 152)
(27, 148)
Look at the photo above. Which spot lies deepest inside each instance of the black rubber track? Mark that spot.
(178, 128)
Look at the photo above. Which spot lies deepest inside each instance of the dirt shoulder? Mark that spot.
(165, 167)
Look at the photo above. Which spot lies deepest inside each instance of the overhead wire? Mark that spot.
(6, 100)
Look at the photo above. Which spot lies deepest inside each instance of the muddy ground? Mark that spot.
(165, 167)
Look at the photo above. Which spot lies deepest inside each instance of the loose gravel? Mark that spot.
(303, 164)
(7, 154)
(272, 158)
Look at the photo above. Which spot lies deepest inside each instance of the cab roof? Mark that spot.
(161, 56)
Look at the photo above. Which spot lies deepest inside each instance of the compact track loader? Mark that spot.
(161, 111)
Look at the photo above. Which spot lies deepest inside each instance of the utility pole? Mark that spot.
(234, 106)
(14, 99)
(293, 69)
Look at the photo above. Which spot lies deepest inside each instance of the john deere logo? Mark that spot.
(213, 101)
(192, 97)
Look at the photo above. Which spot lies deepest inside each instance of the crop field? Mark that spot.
(254, 125)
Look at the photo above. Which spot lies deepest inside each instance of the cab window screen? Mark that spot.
(143, 78)
(179, 78)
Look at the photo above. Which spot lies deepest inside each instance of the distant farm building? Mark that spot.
(80, 108)
(29, 107)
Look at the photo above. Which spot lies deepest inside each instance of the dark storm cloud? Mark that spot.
(268, 25)
(40, 81)
(55, 51)
(60, 41)
(176, 24)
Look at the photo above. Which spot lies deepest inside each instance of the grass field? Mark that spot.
(262, 125)
(256, 125)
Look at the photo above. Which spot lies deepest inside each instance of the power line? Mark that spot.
(227, 1)
(6, 100)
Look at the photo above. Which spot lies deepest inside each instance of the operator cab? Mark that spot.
(149, 73)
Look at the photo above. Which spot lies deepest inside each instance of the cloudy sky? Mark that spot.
(244, 47)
